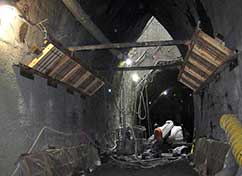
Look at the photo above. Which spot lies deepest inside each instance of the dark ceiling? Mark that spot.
(123, 21)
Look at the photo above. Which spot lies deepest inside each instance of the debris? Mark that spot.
(64, 161)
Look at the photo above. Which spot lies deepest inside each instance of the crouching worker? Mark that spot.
(165, 136)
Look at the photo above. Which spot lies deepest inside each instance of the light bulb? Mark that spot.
(135, 77)
(128, 62)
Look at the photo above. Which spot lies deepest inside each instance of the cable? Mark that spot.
(148, 113)
(146, 164)
(142, 101)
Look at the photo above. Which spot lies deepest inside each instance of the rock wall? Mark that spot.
(26, 105)
(223, 94)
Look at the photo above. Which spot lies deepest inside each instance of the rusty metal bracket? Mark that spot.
(129, 45)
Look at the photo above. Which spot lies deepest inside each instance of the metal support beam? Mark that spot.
(130, 45)
(81, 16)
(138, 68)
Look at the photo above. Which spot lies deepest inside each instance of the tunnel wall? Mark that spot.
(27, 105)
(223, 94)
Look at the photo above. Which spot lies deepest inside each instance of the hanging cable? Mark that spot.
(147, 110)
(142, 101)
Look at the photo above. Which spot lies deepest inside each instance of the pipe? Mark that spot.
(233, 128)
(83, 18)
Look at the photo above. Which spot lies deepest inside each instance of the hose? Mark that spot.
(143, 101)
(233, 128)
(148, 113)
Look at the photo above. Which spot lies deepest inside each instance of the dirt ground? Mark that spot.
(180, 168)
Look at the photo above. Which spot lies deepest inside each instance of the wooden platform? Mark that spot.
(54, 64)
(204, 57)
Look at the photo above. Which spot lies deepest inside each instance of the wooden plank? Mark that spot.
(204, 62)
(190, 80)
(78, 74)
(59, 65)
(193, 78)
(188, 54)
(70, 64)
(187, 84)
(205, 56)
(44, 52)
(90, 85)
(200, 52)
(211, 41)
(82, 79)
(88, 81)
(45, 59)
(70, 73)
(197, 70)
(52, 65)
(195, 74)
(213, 51)
(33, 71)
(53, 60)
(98, 87)
(55, 65)
(200, 66)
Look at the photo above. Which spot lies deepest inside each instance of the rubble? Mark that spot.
(63, 161)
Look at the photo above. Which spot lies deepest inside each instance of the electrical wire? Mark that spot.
(143, 100)
(148, 113)
(145, 164)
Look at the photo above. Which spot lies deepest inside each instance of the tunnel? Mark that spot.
(85, 85)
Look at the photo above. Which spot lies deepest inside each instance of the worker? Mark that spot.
(164, 136)
(169, 132)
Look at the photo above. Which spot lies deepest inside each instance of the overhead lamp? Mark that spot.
(165, 92)
(135, 77)
(7, 15)
(128, 62)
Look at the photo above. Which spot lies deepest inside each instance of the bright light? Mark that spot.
(164, 93)
(135, 77)
(109, 90)
(7, 15)
(128, 62)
